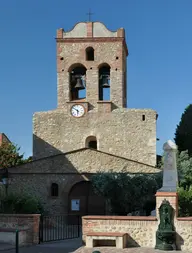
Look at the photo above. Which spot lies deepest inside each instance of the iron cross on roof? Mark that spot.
(89, 15)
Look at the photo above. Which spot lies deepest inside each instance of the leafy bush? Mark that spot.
(185, 201)
(21, 204)
(125, 192)
(10, 156)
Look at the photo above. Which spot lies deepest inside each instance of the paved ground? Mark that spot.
(127, 250)
(75, 246)
(66, 246)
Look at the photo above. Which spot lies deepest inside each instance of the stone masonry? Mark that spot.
(130, 133)
(66, 170)
(125, 138)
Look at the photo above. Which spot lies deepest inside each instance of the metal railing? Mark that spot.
(59, 227)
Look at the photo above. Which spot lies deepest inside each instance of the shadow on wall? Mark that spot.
(39, 175)
(179, 242)
(131, 243)
(41, 147)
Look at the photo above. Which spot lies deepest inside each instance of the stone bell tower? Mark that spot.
(91, 110)
(91, 67)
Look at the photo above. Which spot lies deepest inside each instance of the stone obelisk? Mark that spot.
(170, 179)
(170, 175)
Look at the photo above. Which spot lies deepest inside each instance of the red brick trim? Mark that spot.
(104, 102)
(20, 215)
(184, 218)
(12, 229)
(89, 29)
(60, 33)
(92, 39)
(139, 218)
(105, 234)
(166, 194)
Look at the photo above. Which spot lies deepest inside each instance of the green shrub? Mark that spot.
(185, 201)
(126, 192)
(21, 204)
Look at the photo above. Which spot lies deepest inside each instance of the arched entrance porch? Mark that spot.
(83, 201)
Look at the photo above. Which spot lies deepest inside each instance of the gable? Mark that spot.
(83, 161)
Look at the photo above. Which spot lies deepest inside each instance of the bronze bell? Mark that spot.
(79, 85)
(105, 82)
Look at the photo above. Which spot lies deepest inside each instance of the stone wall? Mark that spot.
(28, 224)
(109, 48)
(66, 170)
(141, 229)
(129, 133)
(184, 233)
(122, 133)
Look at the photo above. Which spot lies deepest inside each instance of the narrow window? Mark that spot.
(89, 54)
(104, 82)
(54, 190)
(143, 117)
(91, 142)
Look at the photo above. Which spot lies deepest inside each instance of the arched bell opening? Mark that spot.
(77, 82)
(104, 82)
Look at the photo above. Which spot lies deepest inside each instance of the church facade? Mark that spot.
(91, 129)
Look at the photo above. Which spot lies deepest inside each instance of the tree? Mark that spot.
(184, 166)
(125, 192)
(9, 156)
(183, 134)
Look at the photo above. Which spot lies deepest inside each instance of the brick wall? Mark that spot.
(141, 229)
(23, 222)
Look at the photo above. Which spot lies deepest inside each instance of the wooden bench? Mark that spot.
(94, 239)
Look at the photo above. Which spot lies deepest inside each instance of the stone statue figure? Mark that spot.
(165, 235)
(166, 216)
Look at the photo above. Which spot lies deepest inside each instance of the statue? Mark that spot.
(166, 235)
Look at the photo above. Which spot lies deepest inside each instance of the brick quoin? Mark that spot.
(89, 29)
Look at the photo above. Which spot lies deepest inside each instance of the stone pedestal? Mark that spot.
(172, 197)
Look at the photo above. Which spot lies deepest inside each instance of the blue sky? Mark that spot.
(159, 39)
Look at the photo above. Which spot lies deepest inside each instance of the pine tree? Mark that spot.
(183, 134)
(9, 156)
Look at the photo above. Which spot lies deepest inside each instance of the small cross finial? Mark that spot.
(89, 15)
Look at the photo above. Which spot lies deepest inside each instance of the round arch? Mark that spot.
(103, 64)
(76, 65)
(82, 200)
(91, 142)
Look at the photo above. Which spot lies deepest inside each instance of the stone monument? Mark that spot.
(170, 175)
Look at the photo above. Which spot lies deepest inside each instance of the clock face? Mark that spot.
(77, 111)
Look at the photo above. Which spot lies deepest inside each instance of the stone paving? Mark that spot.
(75, 246)
(126, 250)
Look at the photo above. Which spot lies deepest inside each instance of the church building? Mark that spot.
(91, 129)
